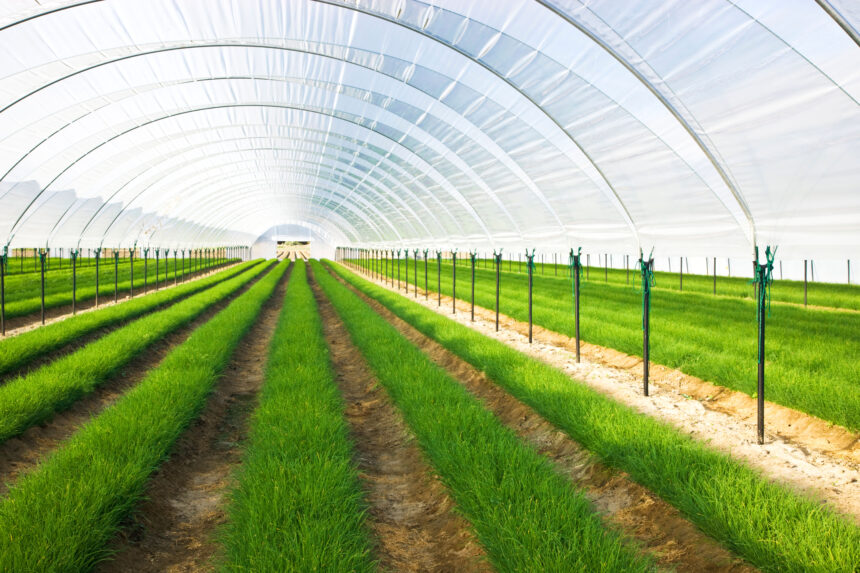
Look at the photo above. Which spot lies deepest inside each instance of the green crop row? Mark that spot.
(15, 265)
(21, 349)
(23, 292)
(298, 502)
(830, 295)
(764, 522)
(524, 512)
(812, 356)
(30, 399)
(60, 516)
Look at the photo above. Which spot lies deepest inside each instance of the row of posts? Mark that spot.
(198, 259)
(375, 262)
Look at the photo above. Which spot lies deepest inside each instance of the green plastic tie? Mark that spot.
(764, 281)
(647, 272)
(530, 261)
(575, 268)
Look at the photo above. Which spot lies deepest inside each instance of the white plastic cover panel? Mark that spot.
(693, 127)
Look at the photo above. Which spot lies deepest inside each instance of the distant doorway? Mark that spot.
(294, 250)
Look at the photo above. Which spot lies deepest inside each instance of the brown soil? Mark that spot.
(624, 505)
(24, 452)
(85, 339)
(411, 514)
(19, 324)
(804, 452)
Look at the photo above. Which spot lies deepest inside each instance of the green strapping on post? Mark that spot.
(646, 269)
(530, 269)
(762, 280)
(575, 263)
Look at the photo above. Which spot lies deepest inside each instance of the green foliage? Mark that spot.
(59, 516)
(33, 398)
(765, 523)
(527, 515)
(298, 503)
(18, 350)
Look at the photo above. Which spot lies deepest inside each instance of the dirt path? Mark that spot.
(624, 505)
(24, 452)
(18, 324)
(411, 514)
(804, 452)
(173, 530)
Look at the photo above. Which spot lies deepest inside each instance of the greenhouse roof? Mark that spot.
(702, 127)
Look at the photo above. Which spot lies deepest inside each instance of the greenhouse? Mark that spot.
(429, 285)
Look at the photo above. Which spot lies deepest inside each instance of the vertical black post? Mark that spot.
(474, 255)
(576, 273)
(145, 268)
(647, 269)
(131, 260)
(761, 271)
(174, 267)
(3, 258)
(398, 269)
(439, 277)
(805, 283)
(454, 282)
(530, 265)
(74, 254)
(406, 275)
(98, 258)
(157, 267)
(426, 292)
(627, 266)
(605, 268)
(415, 272)
(183, 265)
(42, 267)
(115, 276)
(385, 276)
(497, 257)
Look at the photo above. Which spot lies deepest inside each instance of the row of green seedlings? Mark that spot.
(298, 504)
(26, 294)
(764, 522)
(812, 358)
(21, 349)
(831, 295)
(61, 515)
(33, 397)
(523, 511)
(18, 260)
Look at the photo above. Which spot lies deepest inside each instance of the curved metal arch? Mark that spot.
(418, 200)
(230, 214)
(840, 20)
(371, 223)
(617, 202)
(381, 181)
(223, 106)
(375, 191)
(245, 45)
(617, 197)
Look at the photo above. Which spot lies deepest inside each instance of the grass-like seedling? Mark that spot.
(812, 357)
(21, 349)
(23, 291)
(59, 516)
(767, 524)
(33, 398)
(527, 515)
(297, 505)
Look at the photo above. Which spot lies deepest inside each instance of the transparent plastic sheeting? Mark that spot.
(695, 128)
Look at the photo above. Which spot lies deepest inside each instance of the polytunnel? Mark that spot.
(700, 128)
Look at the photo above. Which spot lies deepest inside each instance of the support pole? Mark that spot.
(157, 267)
(426, 292)
(183, 265)
(805, 282)
(131, 260)
(454, 281)
(42, 267)
(439, 277)
(175, 280)
(498, 259)
(530, 266)
(415, 272)
(406, 276)
(715, 276)
(605, 268)
(681, 275)
(98, 258)
(74, 254)
(647, 270)
(763, 280)
(473, 255)
(115, 276)
(576, 275)
(398, 269)
(145, 269)
(3, 259)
